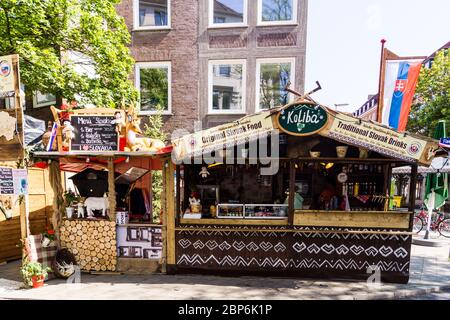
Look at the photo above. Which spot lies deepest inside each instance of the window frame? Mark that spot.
(261, 61)
(137, 84)
(211, 23)
(293, 21)
(37, 105)
(137, 27)
(211, 63)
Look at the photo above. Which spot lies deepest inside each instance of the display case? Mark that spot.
(266, 211)
(252, 211)
(230, 211)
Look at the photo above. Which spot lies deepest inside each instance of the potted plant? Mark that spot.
(69, 199)
(48, 237)
(34, 274)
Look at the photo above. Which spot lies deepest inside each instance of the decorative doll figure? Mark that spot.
(194, 202)
(67, 133)
(204, 173)
(80, 210)
(119, 122)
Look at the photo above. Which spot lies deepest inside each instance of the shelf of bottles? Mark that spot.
(364, 187)
(252, 211)
(230, 211)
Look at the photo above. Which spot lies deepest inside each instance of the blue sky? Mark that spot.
(343, 47)
(233, 4)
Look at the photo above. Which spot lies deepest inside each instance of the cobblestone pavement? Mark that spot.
(442, 295)
(430, 272)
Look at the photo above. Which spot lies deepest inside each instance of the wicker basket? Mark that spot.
(63, 256)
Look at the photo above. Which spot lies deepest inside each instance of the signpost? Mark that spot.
(302, 119)
(94, 133)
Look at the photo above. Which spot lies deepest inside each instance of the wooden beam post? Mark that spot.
(291, 192)
(178, 194)
(170, 187)
(412, 194)
(111, 190)
(387, 185)
(163, 260)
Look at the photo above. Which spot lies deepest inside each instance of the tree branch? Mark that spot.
(8, 26)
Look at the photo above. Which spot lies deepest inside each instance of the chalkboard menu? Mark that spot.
(6, 181)
(94, 133)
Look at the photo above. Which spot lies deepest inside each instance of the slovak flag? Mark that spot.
(400, 84)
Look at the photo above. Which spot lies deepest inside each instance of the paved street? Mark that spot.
(430, 270)
(444, 295)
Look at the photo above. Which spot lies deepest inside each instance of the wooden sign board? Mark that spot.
(6, 181)
(229, 134)
(13, 181)
(302, 119)
(381, 139)
(94, 133)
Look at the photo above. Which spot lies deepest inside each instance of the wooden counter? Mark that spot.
(137, 224)
(236, 222)
(361, 219)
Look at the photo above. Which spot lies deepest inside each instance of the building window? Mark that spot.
(41, 100)
(151, 14)
(226, 86)
(274, 12)
(153, 80)
(227, 13)
(272, 76)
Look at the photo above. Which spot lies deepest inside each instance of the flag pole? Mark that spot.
(381, 81)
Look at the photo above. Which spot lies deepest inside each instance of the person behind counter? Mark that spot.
(298, 199)
(328, 199)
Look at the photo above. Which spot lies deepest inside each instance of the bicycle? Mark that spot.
(439, 224)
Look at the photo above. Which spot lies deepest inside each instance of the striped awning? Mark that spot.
(437, 165)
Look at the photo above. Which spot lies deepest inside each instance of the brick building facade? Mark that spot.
(211, 61)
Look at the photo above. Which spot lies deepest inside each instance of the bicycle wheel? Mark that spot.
(444, 228)
(418, 224)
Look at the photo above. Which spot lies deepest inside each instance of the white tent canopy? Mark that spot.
(437, 165)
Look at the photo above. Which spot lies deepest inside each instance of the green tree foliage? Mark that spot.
(433, 96)
(154, 129)
(43, 32)
(154, 88)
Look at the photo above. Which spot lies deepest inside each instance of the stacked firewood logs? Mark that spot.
(93, 243)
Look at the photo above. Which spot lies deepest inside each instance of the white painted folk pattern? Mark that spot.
(298, 247)
(307, 263)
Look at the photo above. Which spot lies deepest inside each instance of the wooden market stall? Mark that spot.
(103, 212)
(317, 204)
(126, 238)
